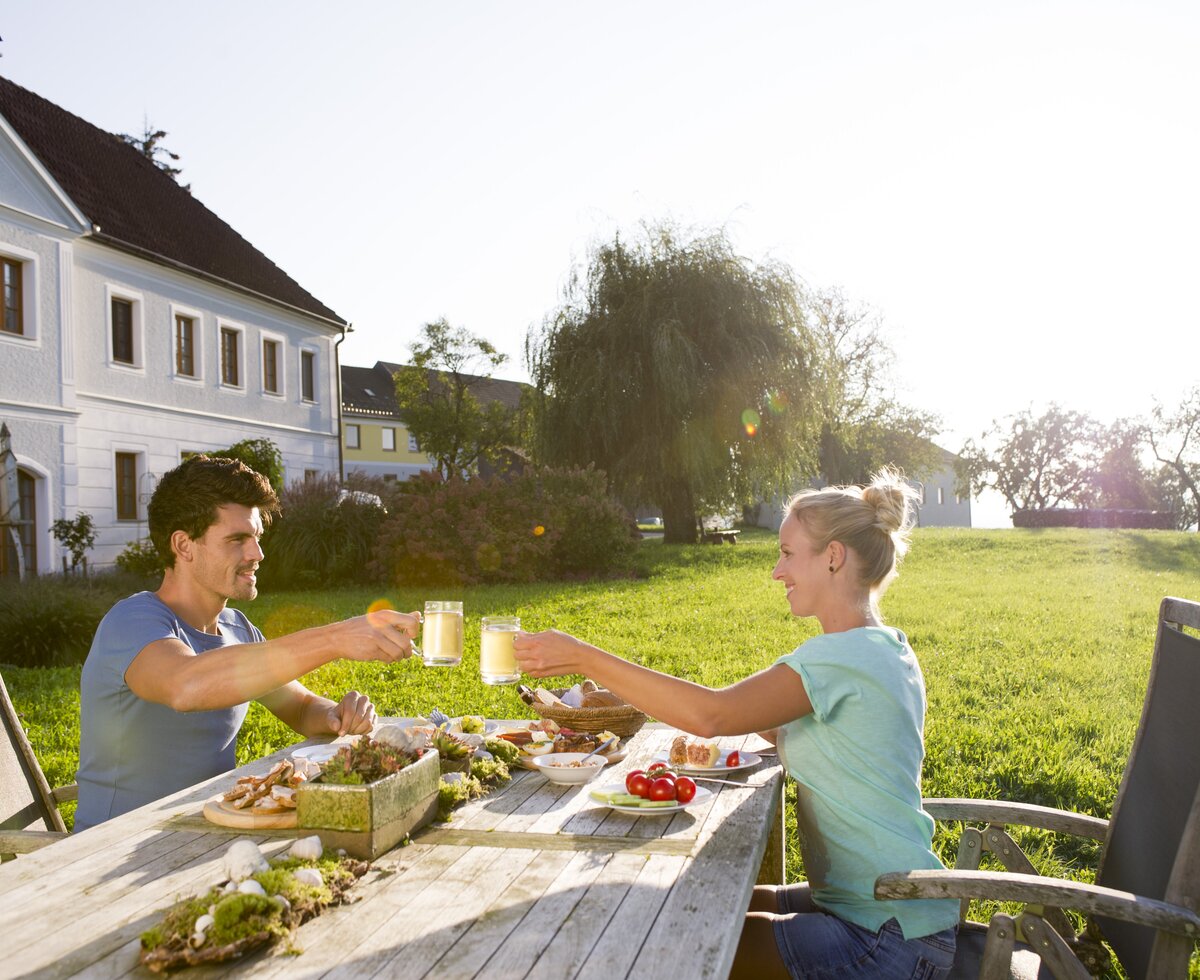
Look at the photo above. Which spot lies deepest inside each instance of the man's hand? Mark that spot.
(353, 715)
(384, 635)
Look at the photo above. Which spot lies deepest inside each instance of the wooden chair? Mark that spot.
(29, 816)
(1145, 900)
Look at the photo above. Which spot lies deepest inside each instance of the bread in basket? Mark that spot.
(601, 710)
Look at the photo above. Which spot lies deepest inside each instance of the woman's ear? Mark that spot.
(837, 555)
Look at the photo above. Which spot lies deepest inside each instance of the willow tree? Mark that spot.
(683, 370)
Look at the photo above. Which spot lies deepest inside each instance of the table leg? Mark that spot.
(774, 862)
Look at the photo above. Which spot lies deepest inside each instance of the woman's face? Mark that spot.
(802, 569)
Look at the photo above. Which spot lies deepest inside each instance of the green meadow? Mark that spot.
(1035, 646)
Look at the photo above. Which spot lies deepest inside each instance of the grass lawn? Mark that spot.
(1035, 646)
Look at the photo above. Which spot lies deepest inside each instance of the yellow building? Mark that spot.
(374, 439)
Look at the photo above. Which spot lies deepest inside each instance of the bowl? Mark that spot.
(557, 767)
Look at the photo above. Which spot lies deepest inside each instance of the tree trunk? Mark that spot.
(679, 514)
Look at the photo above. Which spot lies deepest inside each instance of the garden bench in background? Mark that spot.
(29, 817)
(1146, 897)
(721, 536)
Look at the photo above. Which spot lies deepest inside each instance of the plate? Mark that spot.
(317, 753)
(225, 814)
(748, 761)
(702, 796)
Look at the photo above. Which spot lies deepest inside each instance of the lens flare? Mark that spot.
(377, 606)
(539, 531)
(751, 421)
(776, 402)
(487, 556)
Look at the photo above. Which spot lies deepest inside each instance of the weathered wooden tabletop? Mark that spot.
(534, 880)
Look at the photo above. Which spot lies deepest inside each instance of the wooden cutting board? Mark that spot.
(227, 815)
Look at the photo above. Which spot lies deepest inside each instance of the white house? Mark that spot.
(138, 327)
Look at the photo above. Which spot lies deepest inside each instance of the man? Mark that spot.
(165, 685)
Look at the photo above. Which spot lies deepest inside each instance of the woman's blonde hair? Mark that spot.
(874, 521)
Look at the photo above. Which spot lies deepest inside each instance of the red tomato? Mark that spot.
(662, 789)
(639, 785)
(685, 789)
(658, 769)
(628, 779)
(733, 759)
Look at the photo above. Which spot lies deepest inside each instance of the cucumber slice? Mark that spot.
(656, 803)
(626, 799)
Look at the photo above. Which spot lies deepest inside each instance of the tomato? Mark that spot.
(628, 788)
(658, 769)
(639, 785)
(662, 789)
(733, 759)
(685, 789)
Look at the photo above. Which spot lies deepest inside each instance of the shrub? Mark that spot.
(140, 558)
(261, 455)
(49, 622)
(319, 539)
(535, 526)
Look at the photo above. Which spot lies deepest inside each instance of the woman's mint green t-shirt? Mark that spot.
(857, 760)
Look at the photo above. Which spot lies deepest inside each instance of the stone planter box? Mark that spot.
(368, 820)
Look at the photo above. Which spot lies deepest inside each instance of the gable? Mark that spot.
(26, 187)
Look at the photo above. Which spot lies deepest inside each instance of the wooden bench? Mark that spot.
(721, 536)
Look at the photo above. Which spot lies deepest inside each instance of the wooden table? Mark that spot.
(535, 880)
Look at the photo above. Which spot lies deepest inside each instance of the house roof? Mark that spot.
(370, 391)
(139, 208)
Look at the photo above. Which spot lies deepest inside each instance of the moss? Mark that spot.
(281, 881)
(180, 920)
(452, 794)
(492, 772)
(503, 750)
(238, 916)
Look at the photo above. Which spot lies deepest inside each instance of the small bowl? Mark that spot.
(556, 767)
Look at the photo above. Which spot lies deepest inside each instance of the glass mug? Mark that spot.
(441, 634)
(497, 660)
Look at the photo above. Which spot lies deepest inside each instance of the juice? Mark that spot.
(442, 638)
(497, 661)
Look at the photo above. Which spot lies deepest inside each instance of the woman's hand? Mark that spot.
(550, 653)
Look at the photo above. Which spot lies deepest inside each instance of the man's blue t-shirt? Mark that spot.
(133, 751)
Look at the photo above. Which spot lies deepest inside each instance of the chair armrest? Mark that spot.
(1001, 886)
(1025, 814)
(25, 841)
(64, 793)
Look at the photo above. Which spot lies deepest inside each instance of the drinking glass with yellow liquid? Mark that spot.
(497, 659)
(442, 634)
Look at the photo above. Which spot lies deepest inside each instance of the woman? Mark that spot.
(847, 711)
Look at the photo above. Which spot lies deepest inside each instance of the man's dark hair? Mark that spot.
(186, 499)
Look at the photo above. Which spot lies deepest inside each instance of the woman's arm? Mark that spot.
(764, 700)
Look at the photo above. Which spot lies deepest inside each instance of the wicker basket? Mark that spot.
(621, 719)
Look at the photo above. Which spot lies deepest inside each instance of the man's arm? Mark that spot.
(310, 714)
(169, 672)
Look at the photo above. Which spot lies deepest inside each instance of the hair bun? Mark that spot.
(892, 499)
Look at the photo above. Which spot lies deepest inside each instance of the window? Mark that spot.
(389, 440)
(941, 495)
(185, 345)
(412, 444)
(271, 366)
(122, 330)
(351, 436)
(229, 357)
(127, 503)
(14, 292)
(307, 359)
(310, 476)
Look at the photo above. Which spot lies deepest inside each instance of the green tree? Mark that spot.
(865, 426)
(149, 145)
(77, 535)
(1121, 478)
(442, 404)
(261, 455)
(1174, 439)
(683, 370)
(1035, 462)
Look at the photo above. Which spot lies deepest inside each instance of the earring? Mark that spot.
(831, 568)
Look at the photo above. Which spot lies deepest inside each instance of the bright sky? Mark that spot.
(1011, 186)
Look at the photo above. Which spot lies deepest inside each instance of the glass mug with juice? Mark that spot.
(442, 634)
(497, 660)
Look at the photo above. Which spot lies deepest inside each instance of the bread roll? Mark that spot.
(703, 755)
(678, 756)
(601, 699)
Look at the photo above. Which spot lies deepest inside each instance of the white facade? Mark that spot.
(71, 406)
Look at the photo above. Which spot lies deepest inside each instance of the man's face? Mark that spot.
(227, 554)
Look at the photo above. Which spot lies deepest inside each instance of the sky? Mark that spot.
(1012, 188)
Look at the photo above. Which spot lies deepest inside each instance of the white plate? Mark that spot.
(702, 795)
(317, 753)
(488, 726)
(747, 760)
